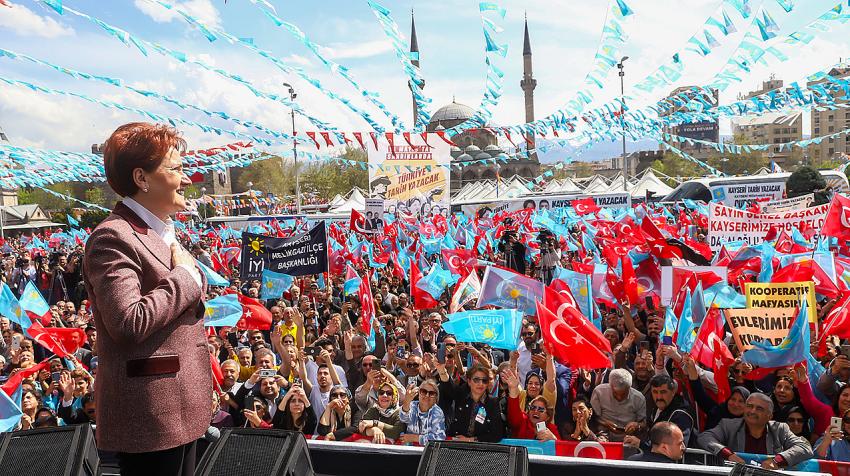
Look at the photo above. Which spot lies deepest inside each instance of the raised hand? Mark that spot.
(510, 377)
(66, 384)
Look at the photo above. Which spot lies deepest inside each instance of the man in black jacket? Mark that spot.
(668, 444)
(670, 407)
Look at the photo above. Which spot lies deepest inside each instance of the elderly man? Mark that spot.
(755, 433)
(668, 444)
(620, 408)
(669, 407)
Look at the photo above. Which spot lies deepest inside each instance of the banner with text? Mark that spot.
(299, 255)
(781, 295)
(757, 325)
(602, 200)
(743, 195)
(789, 204)
(730, 224)
(412, 178)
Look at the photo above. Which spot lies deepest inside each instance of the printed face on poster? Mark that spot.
(412, 179)
(602, 200)
(374, 213)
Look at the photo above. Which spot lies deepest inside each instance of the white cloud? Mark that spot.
(203, 10)
(366, 49)
(25, 22)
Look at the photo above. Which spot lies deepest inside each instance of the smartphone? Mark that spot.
(16, 342)
(313, 351)
(266, 373)
(376, 365)
(536, 348)
(541, 425)
(667, 340)
(54, 376)
(650, 304)
(836, 422)
(297, 381)
(401, 353)
(441, 353)
(253, 404)
(643, 346)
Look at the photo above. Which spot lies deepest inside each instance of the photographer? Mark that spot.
(550, 256)
(513, 251)
(24, 272)
(63, 276)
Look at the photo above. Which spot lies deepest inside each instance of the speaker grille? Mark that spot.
(253, 454)
(38, 454)
(464, 462)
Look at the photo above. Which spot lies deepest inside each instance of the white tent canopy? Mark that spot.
(355, 201)
(649, 182)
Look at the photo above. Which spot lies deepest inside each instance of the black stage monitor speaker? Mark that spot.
(57, 451)
(747, 470)
(257, 452)
(458, 458)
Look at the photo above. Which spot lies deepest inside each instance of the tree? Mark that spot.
(92, 218)
(95, 196)
(47, 201)
(328, 179)
(583, 169)
(805, 180)
(675, 166)
(271, 175)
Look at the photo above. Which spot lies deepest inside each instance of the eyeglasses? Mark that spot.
(413, 365)
(339, 395)
(535, 408)
(481, 379)
(385, 393)
(427, 393)
(367, 364)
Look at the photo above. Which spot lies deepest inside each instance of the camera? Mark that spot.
(266, 373)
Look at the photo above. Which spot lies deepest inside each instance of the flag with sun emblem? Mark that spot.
(498, 328)
(504, 288)
(275, 284)
(11, 308)
(223, 310)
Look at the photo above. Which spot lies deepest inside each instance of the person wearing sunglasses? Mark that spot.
(341, 417)
(835, 443)
(424, 419)
(532, 424)
(381, 422)
(477, 416)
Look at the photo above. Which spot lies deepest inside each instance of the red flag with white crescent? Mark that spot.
(567, 345)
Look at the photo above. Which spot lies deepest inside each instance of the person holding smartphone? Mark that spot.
(532, 424)
(834, 445)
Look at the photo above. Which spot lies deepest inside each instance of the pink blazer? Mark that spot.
(154, 383)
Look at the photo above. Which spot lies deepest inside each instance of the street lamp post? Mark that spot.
(250, 186)
(623, 116)
(203, 203)
(292, 97)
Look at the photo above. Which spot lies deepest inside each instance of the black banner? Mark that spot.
(299, 255)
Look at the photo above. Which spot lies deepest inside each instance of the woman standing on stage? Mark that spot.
(147, 303)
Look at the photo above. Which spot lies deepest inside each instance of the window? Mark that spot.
(817, 130)
(831, 152)
(831, 129)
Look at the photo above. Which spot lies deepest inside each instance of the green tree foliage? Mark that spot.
(48, 202)
(95, 195)
(92, 218)
(805, 180)
(271, 175)
(328, 179)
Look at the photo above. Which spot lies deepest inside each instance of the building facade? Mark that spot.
(830, 121)
(703, 130)
(771, 128)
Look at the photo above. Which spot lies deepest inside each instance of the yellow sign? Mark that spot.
(782, 295)
(757, 325)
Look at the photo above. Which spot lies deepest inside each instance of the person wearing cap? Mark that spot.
(425, 420)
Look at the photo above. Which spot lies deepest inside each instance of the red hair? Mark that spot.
(137, 145)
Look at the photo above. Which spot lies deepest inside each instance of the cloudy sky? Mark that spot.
(564, 36)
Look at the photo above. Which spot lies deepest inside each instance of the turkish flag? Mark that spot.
(616, 286)
(584, 206)
(254, 314)
(62, 341)
(460, 261)
(563, 305)
(15, 380)
(656, 240)
(710, 350)
(837, 222)
(567, 345)
(808, 270)
(837, 322)
(630, 282)
(421, 299)
(367, 304)
(217, 375)
(358, 222)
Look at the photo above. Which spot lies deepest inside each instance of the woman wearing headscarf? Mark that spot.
(798, 420)
(341, 416)
(382, 422)
(424, 419)
(733, 407)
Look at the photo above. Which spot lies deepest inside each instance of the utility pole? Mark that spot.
(623, 119)
(292, 97)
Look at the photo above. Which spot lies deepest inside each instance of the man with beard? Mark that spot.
(670, 407)
(530, 345)
(755, 433)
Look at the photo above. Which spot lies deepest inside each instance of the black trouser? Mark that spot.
(179, 461)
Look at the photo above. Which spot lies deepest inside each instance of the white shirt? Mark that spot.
(163, 229)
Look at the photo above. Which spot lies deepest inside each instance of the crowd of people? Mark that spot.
(314, 370)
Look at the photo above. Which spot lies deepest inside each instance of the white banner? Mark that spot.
(413, 179)
(602, 200)
(743, 195)
(789, 204)
(730, 224)
(374, 212)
